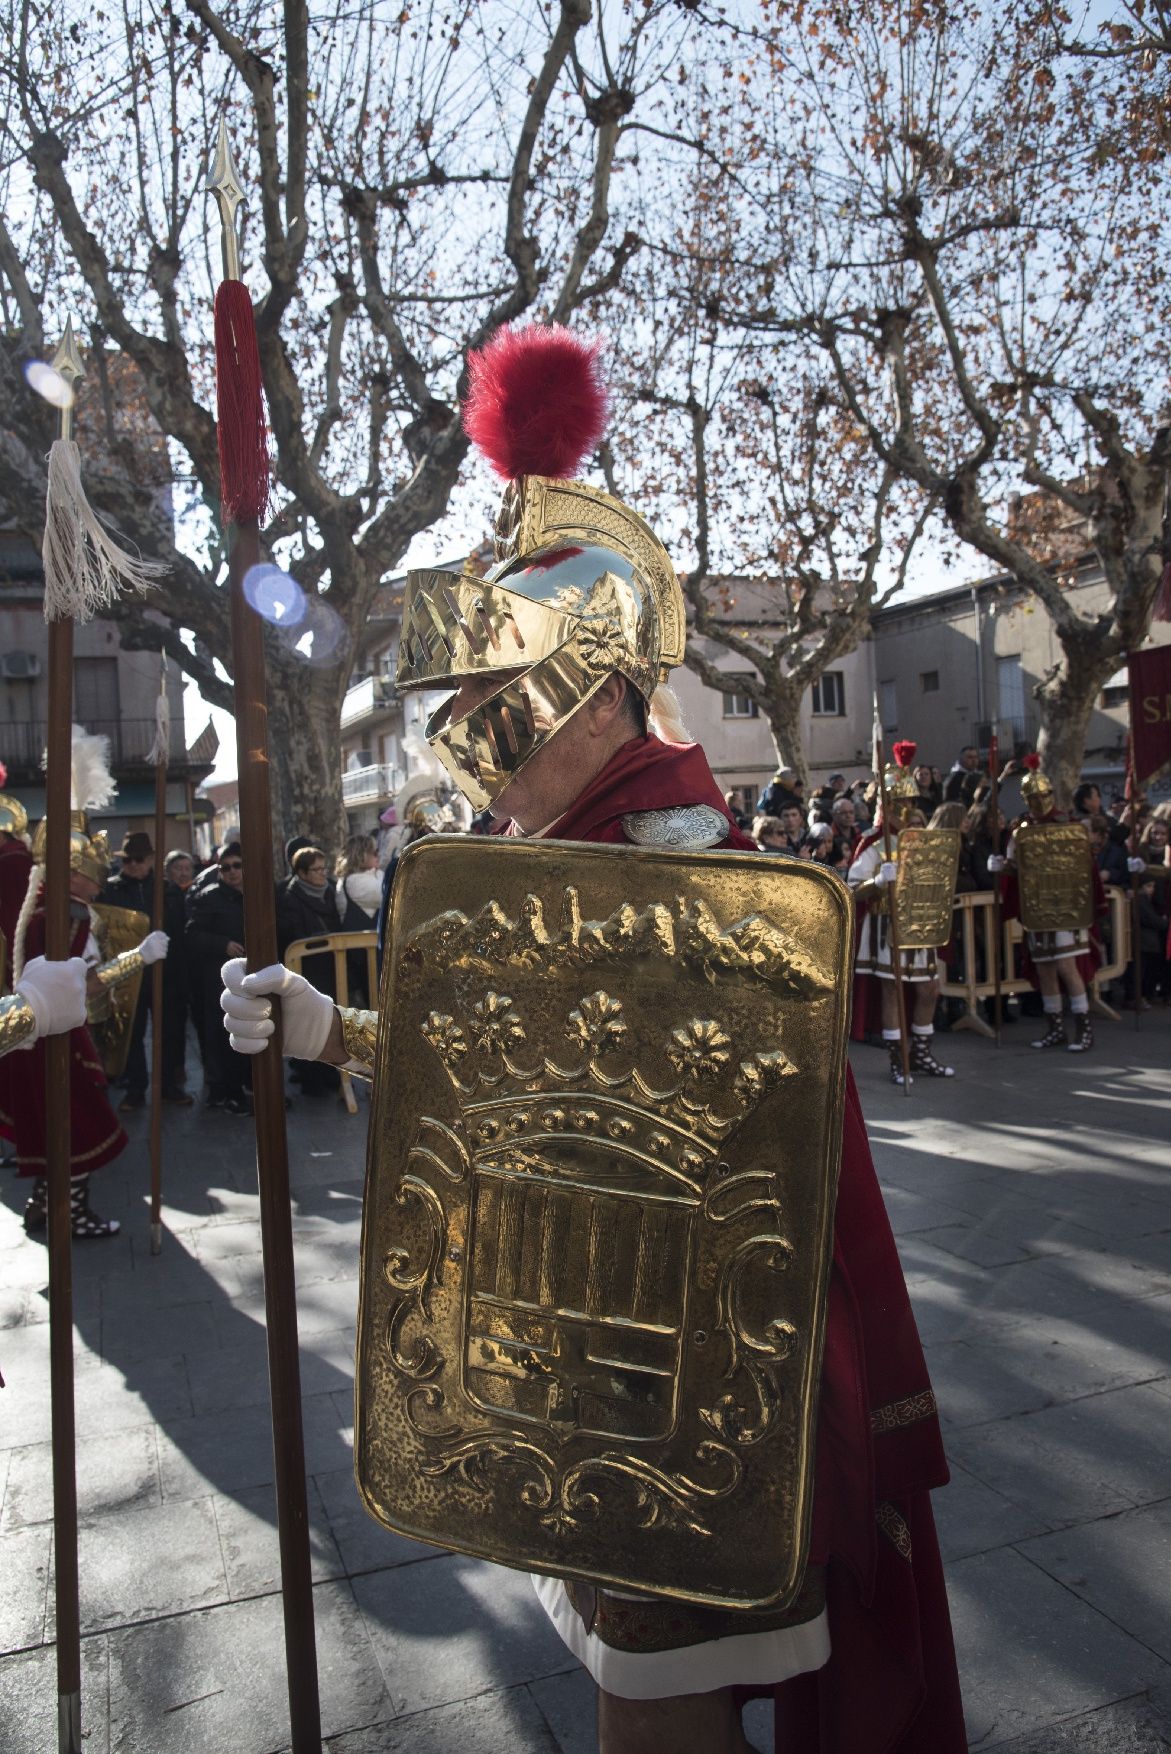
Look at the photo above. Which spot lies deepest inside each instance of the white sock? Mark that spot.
(1051, 1003)
(922, 1029)
(891, 1035)
(1080, 1004)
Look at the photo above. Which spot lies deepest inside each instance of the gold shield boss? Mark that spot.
(582, 587)
(599, 1211)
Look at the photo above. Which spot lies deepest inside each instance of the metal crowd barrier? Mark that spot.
(342, 945)
(974, 933)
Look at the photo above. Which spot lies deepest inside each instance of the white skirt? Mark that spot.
(760, 1659)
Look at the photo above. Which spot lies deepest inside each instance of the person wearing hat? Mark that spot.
(559, 721)
(132, 886)
(871, 876)
(1060, 962)
(96, 1137)
(783, 789)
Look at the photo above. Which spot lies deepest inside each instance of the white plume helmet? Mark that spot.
(666, 716)
(92, 786)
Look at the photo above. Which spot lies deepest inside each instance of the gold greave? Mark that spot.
(119, 968)
(359, 1037)
(18, 1023)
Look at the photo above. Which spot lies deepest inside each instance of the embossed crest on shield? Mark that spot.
(928, 860)
(1055, 875)
(111, 1015)
(599, 1206)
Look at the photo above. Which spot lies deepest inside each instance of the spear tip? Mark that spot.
(67, 361)
(225, 178)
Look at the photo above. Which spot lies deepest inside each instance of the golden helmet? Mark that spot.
(88, 853)
(581, 586)
(13, 815)
(901, 784)
(1036, 787)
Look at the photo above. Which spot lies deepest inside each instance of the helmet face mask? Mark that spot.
(573, 602)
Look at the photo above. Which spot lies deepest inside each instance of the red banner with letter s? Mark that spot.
(1150, 709)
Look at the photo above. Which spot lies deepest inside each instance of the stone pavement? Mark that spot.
(1029, 1197)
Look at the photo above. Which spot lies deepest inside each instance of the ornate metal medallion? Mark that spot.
(687, 828)
(1055, 874)
(111, 1016)
(599, 1209)
(928, 860)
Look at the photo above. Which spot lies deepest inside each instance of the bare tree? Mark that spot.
(416, 179)
(960, 220)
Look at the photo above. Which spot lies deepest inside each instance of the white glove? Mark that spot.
(886, 873)
(996, 863)
(306, 1014)
(1135, 866)
(153, 947)
(55, 991)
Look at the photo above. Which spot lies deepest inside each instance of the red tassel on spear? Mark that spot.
(244, 479)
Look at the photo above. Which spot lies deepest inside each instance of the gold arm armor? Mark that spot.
(119, 968)
(18, 1024)
(598, 1218)
(359, 1038)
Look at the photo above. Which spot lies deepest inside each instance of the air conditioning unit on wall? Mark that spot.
(19, 666)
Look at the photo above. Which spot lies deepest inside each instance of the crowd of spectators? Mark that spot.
(828, 826)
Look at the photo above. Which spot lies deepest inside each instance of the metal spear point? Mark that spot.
(67, 363)
(225, 185)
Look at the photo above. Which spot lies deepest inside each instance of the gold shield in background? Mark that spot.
(599, 1210)
(928, 859)
(1055, 874)
(111, 1015)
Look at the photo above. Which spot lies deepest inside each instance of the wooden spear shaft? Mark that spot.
(156, 997)
(1136, 883)
(268, 1087)
(896, 959)
(58, 1147)
(997, 925)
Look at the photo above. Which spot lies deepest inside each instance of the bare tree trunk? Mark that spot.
(304, 707)
(1067, 699)
(783, 711)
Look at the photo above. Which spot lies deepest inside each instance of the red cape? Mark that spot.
(890, 1686)
(95, 1136)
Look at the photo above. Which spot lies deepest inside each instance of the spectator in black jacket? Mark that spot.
(307, 908)
(1109, 854)
(960, 785)
(215, 932)
(132, 886)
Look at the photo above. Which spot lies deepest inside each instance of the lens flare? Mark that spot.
(48, 383)
(275, 595)
(319, 638)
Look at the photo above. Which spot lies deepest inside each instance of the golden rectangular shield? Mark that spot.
(598, 1223)
(1055, 874)
(925, 888)
(111, 1016)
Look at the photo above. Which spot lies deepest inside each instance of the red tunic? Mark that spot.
(890, 1686)
(95, 1135)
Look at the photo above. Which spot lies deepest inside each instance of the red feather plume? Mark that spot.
(537, 402)
(1032, 762)
(3, 776)
(904, 753)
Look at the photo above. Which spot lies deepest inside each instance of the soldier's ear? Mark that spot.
(607, 703)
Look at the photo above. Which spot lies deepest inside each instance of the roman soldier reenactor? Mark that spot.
(871, 876)
(96, 1137)
(1061, 957)
(559, 723)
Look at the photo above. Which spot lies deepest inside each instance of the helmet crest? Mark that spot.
(537, 401)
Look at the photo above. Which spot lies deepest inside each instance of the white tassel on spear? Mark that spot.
(85, 569)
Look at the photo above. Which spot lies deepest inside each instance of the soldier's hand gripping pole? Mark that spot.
(58, 783)
(244, 489)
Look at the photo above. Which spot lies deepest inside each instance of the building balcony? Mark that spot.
(374, 694)
(365, 785)
(131, 741)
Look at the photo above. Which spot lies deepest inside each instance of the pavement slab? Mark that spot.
(1029, 1202)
